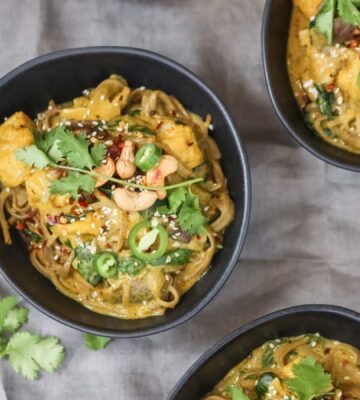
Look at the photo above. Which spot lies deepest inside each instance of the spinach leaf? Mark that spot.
(83, 263)
(174, 257)
(131, 265)
(143, 129)
(324, 101)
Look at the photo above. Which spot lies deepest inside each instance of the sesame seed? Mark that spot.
(102, 97)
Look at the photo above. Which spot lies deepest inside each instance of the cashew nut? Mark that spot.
(134, 201)
(156, 176)
(107, 169)
(125, 165)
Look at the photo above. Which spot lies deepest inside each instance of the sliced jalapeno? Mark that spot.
(147, 157)
(106, 263)
(161, 239)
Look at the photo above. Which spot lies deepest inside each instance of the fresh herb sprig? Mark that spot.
(310, 380)
(27, 353)
(94, 342)
(186, 205)
(59, 146)
(347, 10)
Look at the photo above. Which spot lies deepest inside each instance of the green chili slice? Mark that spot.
(147, 157)
(157, 235)
(106, 264)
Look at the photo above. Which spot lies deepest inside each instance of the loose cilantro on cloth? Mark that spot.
(27, 353)
(94, 342)
(310, 380)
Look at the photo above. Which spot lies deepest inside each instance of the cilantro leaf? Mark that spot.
(310, 379)
(98, 153)
(15, 319)
(33, 156)
(238, 393)
(75, 148)
(349, 12)
(28, 353)
(176, 198)
(48, 143)
(94, 342)
(72, 184)
(6, 304)
(324, 21)
(11, 317)
(190, 217)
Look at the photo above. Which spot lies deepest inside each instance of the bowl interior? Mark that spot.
(276, 25)
(63, 76)
(332, 322)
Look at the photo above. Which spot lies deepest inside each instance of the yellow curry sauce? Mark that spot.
(328, 369)
(325, 77)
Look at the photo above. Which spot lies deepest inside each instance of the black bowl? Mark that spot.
(62, 76)
(276, 23)
(330, 321)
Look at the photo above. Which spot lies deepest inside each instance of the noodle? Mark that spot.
(67, 234)
(276, 359)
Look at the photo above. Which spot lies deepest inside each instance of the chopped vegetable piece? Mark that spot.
(238, 393)
(262, 384)
(33, 236)
(83, 263)
(174, 257)
(324, 101)
(106, 263)
(143, 129)
(131, 265)
(147, 156)
(139, 252)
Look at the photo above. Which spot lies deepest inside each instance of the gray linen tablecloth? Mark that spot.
(303, 242)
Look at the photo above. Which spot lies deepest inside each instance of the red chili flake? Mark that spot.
(152, 113)
(114, 152)
(174, 113)
(353, 44)
(108, 246)
(53, 219)
(198, 237)
(158, 126)
(83, 203)
(330, 87)
(327, 351)
(20, 226)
